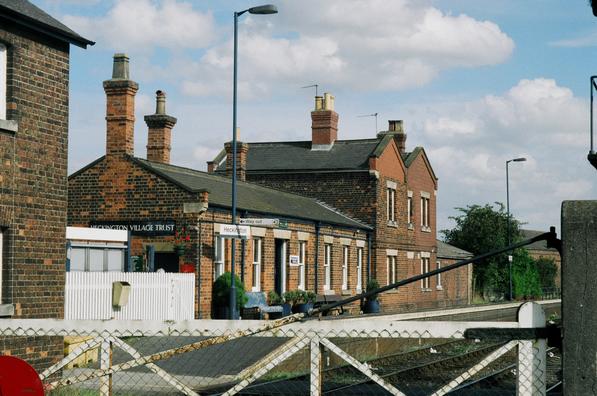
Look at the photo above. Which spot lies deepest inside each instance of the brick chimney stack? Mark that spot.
(160, 131)
(120, 109)
(396, 128)
(324, 123)
(241, 158)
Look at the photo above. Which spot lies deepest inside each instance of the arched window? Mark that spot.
(2, 82)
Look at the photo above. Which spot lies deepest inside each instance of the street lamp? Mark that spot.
(521, 159)
(259, 10)
(592, 157)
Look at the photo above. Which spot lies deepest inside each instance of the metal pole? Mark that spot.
(232, 305)
(592, 82)
(508, 225)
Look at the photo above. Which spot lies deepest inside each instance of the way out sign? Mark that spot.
(235, 231)
(260, 222)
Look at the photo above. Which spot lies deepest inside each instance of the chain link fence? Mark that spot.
(290, 356)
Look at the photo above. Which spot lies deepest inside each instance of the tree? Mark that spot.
(547, 269)
(526, 280)
(479, 230)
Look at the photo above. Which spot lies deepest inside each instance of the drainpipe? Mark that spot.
(317, 229)
(128, 259)
(369, 250)
(199, 252)
(242, 257)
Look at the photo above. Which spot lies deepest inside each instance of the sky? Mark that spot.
(476, 83)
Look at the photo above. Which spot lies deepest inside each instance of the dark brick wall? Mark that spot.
(33, 186)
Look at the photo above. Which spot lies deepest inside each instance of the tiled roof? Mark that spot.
(539, 245)
(24, 12)
(251, 197)
(447, 251)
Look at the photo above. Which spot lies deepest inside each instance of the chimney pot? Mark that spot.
(120, 69)
(160, 103)
(318, 103)
(395, 126)
(324, 123)
(328, 101)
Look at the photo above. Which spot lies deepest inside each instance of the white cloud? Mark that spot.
(142, 25)
(468, 144)
(363, 45)
(589, 40)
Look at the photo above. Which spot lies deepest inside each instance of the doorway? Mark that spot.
(280, 266)
(167, 261)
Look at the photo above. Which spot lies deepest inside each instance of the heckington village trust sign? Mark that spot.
(150, 228)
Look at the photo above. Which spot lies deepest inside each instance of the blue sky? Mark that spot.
(476, 83)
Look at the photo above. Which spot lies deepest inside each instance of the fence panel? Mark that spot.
(154, 296)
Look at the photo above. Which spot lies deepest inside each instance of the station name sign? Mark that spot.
(149, 228)
(234, 231)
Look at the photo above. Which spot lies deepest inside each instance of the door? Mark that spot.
(280, 266)
(167, 261)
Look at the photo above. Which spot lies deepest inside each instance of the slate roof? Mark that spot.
(27, 14)
(448, 251)
(539, 245)
(251, 197)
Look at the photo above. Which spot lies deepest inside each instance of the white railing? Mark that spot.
(181, 355)
(153, 296)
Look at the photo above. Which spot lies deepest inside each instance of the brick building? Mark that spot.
(34, 77)
(373, 180)
(155, 199)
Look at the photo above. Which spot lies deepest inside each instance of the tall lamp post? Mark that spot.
(592, 157)
(521, 159)
(259, 10)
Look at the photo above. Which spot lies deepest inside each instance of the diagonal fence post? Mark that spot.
(532, 359)
(315, 386)
(105, 382)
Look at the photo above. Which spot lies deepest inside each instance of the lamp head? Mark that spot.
(521, 159)
(264, 9)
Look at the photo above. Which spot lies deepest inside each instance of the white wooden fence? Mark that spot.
(154, 296)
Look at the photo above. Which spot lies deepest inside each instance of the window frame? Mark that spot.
(410, 209)
(302, 253)
(257, 254)
(390, 269)
(105, 250)
(327, 267)
(3, 80)
(345, 259)
(219, 256)
(425, 206)
(359, 269)
(391, 205)
(425, 283)
(439, 285)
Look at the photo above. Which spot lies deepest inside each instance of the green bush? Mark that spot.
(372, 284)
(274, 298)
(294, 297)
(221, 291)
(525, 275)
(547, 269)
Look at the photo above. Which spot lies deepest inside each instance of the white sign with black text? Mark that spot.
(293, 260)
(235, 231)
(260, 222)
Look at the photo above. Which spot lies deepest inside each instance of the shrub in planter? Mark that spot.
(371, 304)
(221, 295)
(274, 298)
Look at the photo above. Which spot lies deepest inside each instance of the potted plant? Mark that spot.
(221, 296)
(187, 267)
(275, 299)
(301, 301)
(371, 304)
(182, 239)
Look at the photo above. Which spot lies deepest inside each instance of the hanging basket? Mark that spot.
(179, 250)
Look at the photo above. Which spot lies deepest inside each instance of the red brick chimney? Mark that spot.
(324, 123)
(160, 131)
(395, 127)
(241, 158)
(120, 109)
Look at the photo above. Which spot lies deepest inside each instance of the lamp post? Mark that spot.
(259, 10)
(521, 159)
(592, 157)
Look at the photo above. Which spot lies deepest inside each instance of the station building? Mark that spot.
(179, 218)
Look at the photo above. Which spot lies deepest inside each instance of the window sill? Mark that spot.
(392, 224)
(425, 290)
(411, 226)
(328, 292)
(6, 310)
(359, 290)
(425, 228)
(10, 126)
(255, 289)
(439, 287)
(346, 292)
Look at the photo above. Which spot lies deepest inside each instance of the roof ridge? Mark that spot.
(338, 212)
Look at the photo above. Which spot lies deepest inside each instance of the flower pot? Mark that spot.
(302, 308)
(187, 268)
(286, 309)
(179, 250)
(371, 306)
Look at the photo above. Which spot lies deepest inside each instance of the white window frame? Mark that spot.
(425, 204)
(439, 277)
(327, 267)
(391, 205)
(219, 256)
(104, 248)
(256, 282)
(424, 269)
(359, 269)
(284, 264)
(409, 209)
(390, 270)
(344, 267)
(302, 253)
(3, 83)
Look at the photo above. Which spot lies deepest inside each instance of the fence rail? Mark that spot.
(288, 356)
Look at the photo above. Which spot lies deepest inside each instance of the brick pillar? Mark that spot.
(160, 131)
(395, 127)
(120, 109)
(241, 160)
(324, 123)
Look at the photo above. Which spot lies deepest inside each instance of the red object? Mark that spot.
(187, 268)
(17, 377)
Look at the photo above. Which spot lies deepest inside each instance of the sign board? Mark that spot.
(260, 222)
(293, 260)
(283, 224)
(149, 228)
(235, 231)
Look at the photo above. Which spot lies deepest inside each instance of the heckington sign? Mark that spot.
(151, 227)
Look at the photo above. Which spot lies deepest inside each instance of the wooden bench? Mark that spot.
(257, 308)
(326, 299)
